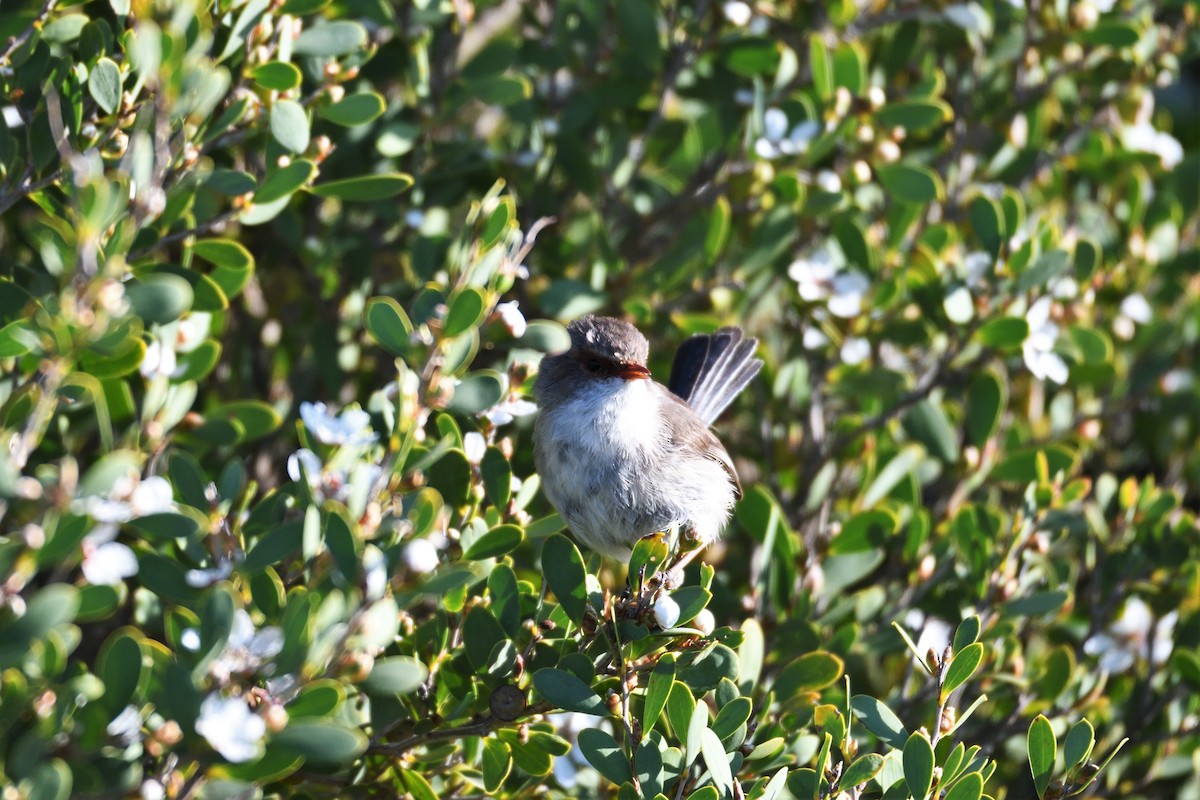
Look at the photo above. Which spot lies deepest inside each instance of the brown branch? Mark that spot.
(16, 42)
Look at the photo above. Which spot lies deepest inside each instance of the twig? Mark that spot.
(205, 227)
(17, 41)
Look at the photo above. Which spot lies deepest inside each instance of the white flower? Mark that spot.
(199, 578)
(1128, 638)
(231, 728)
(420, 556)
(192, 330)
(414, 218)
(1144, 137)
(705, 622)
(474, 446)
(849, 288)
(737, 12)
(158, 361)
(190, 639)
(504, 412)
(153, 495)
(828, 181)
(777, 140)
(1038, 349)
(855, 350)
(305, 464)
(108, 564)
(666, 611)
(814, 275)
(152, 790)
(1137, 309)
(976, 266)
(248, 650)
(375, 572)
(353, 427)
(127, 726)
(814, 339)
(512, 318)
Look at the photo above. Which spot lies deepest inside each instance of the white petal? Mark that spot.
(855, 350)
(845, 306)
(231, 728)
(311, 464)
(152, 496)
(109, 564)
(1137, 309)
(774, 124)
(474, 446)
(814, 339)
(420, 556)
(737, 12)
(512, 318)
(666, 612)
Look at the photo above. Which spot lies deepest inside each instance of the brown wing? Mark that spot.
(689, 432)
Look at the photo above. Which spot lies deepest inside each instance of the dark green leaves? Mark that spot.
(396, 675)
(366, 188)
(322, 743)
(567, 692)
(1042, 750)
(809, 673)
(355, 109)
(388, 323)
(602, 752)
(331, 39)
(289, 125)
(562, 569)
(911, 183)
(105, 84)
(277, 75)
(879, 720)
(918, 764)
(962, 667)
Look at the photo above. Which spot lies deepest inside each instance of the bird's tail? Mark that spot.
(710, 370)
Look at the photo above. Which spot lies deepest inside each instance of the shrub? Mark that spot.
(268, 516)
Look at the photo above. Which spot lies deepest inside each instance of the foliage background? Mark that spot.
(965, 235)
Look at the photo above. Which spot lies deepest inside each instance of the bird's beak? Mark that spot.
(633, 372)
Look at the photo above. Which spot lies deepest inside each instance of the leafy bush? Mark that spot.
(268, 517)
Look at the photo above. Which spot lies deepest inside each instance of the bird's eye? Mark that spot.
(593, 364)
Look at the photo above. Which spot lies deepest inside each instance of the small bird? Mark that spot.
(622, 456)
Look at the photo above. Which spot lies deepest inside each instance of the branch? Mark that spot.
(208, 226)
(15, 42)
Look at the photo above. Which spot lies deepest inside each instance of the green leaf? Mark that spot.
(168, 525)
(385, 320)
(969, 787)
(365, 188)
(567, 692)
(915, 116)
(481, 633)
(289, 125)
(658, 689)
(120, 666)
(987, 397)
(395, 675)
(1006, 333)
(466, 312)
(962, 667)
(255, 418)
(719, 225)
(896, 470)
(498, 541)
(281, 183)
(1035, 604)
(318, 699)
(862, 770)
(1042, 750)
(821, 65)
(278, 76)
(1021, 466)
(731, 716)
(850, 67)
(911, 183)
(500, 90)
(987, 218)
(330, 39)
(918, 763)
(602, 752)
(1077, 747)
(808, 673)
(497, 762)
(160, 297)
(105, 85)
(321, 742)
(926, 422)
(716, 761)
(234, 264)
(354, 109)
(562, 567)
(50, 780)
(478, 392)
(879, 720)
(1087, 259)
(1047, 267)
(1113, 33)
(649, 554)
(497, 477)
(967, 632)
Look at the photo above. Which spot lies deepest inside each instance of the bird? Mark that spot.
(621, 456)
